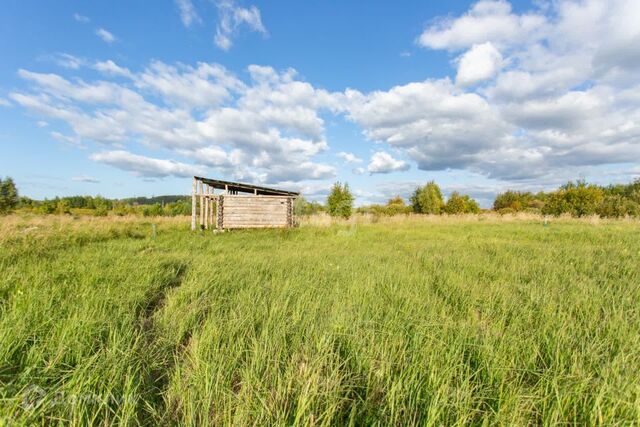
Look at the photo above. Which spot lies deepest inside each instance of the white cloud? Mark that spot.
(188, 13)
(382, 162)
(487, 20)
(86, 178)
(72, 140)
(42, 123)
(67, 60)
(81, 18)
(267, 129)
(111, 68)
(105, 35)
(479, 63)
(4, 102)
(146, 166)
(231, 17)
(544, 94)
(349, 157)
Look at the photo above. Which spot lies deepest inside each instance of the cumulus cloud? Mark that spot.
(105, 35)
(541, 94)
(555, 94)
(231, 17)
(188, 13)
(479, 63)
(349, 157)
(266, 129)
(146, 166)
(486, 21)
(382, 162)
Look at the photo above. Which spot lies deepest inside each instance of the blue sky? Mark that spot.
(121, 99)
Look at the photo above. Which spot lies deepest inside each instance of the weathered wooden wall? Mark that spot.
(235, 211)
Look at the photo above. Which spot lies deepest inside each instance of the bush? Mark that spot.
(303, 207)
(461, 204)
(396, 206)
(616, 206)
(575, 199)
(514, 200)
(427, 199)
(340, 201)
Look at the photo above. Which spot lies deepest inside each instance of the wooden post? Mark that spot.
(206, 206)
(220, 213)
(213, 198)
(193, 204)
(201, 204)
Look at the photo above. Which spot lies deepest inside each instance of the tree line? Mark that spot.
(574, 199)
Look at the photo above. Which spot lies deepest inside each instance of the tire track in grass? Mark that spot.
(162, 361)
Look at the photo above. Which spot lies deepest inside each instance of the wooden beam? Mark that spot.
(206, 207)
(201, 204)
(193, 204)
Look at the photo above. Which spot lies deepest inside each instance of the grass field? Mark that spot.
(434, 321)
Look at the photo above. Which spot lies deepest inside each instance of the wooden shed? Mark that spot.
(239, 205)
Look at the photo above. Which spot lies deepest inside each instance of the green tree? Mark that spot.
(459, 204)
(8, 196)
(427, 199)
(340, 201)
(576, 199)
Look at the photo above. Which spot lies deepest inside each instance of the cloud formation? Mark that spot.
(105, 35)
(231, 17)
(382, 162)
(267, 129)
(146, 166)
(188, 13)
(555, 94)
(349, 157)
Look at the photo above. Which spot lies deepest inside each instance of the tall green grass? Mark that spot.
(431, 323)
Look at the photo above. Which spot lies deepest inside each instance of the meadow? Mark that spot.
(417, 321)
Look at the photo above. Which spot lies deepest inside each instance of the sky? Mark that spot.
(122, 99)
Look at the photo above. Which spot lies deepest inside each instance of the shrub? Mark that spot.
(514, 200)
(340, 201)
(427, 199)
(460, 204)
(576, 199)
(396, 206)
(303, 207)
(616, 206)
